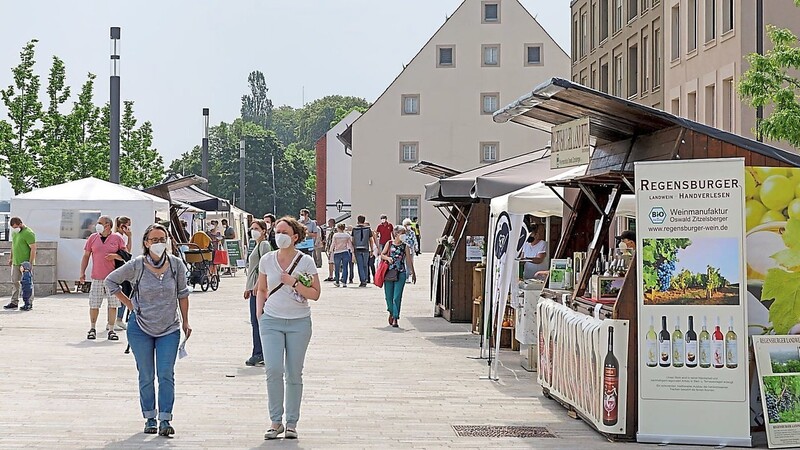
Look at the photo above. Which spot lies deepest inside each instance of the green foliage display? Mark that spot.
(657, 253)
(782, 284)
(47, 147)
(771, 81)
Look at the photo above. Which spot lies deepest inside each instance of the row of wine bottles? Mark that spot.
(710, 349)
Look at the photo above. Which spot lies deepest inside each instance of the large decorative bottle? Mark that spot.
(610, 383)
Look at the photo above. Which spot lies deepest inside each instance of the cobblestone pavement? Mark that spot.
(367, 385)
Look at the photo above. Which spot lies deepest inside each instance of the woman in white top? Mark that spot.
(535, 253)
(343, 253)
(287, 279)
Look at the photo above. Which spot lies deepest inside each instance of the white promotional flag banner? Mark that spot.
(692, 332)
(507, 272)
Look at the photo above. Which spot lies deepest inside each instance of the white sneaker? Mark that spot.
(120, 325)
(273, 433)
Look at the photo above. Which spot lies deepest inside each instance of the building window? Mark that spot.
(584, 79)
(728, 96)
(657, 63)
(574, 45)
(645, 62)
(533, 54)
(644, 6)
(633, 70)
(409, 152)
(617, 15)
(490, 152)
(711, 20)
(491, 12)
(490, 102)
(618, 68)
(727, 16)
(593, 79)
(633, 9)
(445, 56)
(711, 111)
(491, 55)
(676, 33)
(691, 106)
(604, 78)
(407, 207)
(593, 27)
(584, 33)
(676, 106)
(410, 104)
(691, 24)
(603, 20)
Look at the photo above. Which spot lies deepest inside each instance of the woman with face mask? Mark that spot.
(287, 280)
(259, 232)
(160, 308)
(398, 254)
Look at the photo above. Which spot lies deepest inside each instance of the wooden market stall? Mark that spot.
(624, 133)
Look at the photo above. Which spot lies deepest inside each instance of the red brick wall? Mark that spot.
(322, 179)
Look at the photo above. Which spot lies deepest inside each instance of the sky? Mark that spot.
(722, 253)
(180, 56)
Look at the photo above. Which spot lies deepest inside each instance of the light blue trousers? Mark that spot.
(285, 342)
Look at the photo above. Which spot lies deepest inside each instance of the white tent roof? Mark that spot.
(90, 189)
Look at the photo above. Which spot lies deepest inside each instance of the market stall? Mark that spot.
(598, 356)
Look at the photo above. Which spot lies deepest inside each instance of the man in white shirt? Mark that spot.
(534, 252)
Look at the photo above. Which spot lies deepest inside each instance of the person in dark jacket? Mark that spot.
(26, 286)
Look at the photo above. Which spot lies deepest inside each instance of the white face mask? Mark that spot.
(622, 245)
(255, 233)
(158, 249)
(383, 220)
(283, 240)
(14, 230)
(269, 225)
(99, 228)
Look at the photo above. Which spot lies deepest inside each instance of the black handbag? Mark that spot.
(391, 275)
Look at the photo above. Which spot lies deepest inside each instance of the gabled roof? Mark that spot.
(558, 101)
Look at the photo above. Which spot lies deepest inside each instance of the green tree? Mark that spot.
(284, 124)
(771, 81)
(256, 106)
(315, 118)
(88, 136)
(140, 165)
(342, 112)
(21, 99)
(55, 147)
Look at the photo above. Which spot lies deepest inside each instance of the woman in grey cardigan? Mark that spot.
(259, 232)
(159, 292)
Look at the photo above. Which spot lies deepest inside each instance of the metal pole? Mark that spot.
(114, 116)
(204, 156)
(274, 192)
(760, 51)
(241, 174)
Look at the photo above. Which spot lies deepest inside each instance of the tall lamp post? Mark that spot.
(241, 174)
(204, 156)
(114, 106)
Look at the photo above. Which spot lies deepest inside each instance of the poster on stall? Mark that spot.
(475, 246)
(772, 218)
(692, 299)
(778, 362)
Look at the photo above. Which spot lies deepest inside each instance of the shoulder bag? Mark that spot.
(291, 269)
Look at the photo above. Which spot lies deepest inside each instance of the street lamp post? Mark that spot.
(339, 205)
(114, 106)
(241, 174)
(204, 156)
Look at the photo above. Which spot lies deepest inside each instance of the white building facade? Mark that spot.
(334, 169)
(439, 109)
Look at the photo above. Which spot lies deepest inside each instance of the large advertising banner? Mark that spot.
(692, 332)
(778, 360)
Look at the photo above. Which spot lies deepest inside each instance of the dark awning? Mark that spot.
(493, 180)
(181, 189)
(612, 118)
(433, 169)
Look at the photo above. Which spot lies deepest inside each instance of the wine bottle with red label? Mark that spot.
(610, 383)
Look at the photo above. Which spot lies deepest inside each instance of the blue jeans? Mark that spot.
(257, 351)
(341, 261)
(362, 259)
(285, 339)
(394, 294)
(154, 355)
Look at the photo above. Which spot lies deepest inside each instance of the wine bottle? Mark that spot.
(664, 345)
(717, 348)
(678, 344)
(568, 275)
(731, 356)
(610, 383)
(705, 346)
(651, 346)
(691, 345)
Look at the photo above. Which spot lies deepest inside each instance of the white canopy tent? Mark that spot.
(53, 213)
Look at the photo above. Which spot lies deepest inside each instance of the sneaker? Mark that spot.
(151, 426)
(11, 306)
(120, 325)
(290, 434)
(344, 285)
(26, 307)
(254, 361)
(165, 429)
(336, 284)
(362, 284)
(273, 433)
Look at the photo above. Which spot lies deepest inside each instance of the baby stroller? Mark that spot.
(199, 257)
